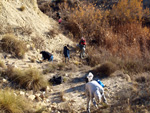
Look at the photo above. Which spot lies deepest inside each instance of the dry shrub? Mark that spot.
(22, 8)
(50, 68)
(5, 29)
(11, 103)
(67, 107)
(98, 55)
(38, 42)
(61, 66)
(33, 79)
(53, 32)
(132, 66)
(126, 11)
(26, 30)
(132, 37)
(14, 46)
(104, 70)
(29, 79)
(87, 20)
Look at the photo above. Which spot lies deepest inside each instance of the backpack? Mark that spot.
(83, 42)
(100, 83)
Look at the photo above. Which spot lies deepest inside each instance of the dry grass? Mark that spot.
(26, 30)
(105, 70)
(61, 66)
(14, 46)
(2, 64)
(11, 103)
(62, 94)
(51, 68)
(53, 32)
(67, 107)
(30, 79)
(33, 80)
(38, 42)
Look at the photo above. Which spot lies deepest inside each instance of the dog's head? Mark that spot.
(89, 77)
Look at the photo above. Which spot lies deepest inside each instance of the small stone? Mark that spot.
(4, 80)
(37, 94)
(22, 93)
(32, 97)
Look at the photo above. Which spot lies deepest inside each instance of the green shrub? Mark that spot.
(14, 46)
(11, 103)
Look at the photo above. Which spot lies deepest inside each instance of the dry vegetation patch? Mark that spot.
(119, 30)
(2, 64)
(14, 46)
(12, 103)
(105, 70)
(38, 42)
(30, 79)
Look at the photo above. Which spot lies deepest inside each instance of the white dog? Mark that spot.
(94, 92)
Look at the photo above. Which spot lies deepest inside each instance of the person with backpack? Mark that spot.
(46, 55)
(66, 52)
(82, 43)
(59, 17)
(82, 46)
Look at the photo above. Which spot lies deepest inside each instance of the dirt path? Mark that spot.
(71, 96)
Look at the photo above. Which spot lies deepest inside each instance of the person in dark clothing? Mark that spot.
(66, 52)
(46, 55)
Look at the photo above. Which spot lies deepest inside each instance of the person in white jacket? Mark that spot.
(94, 92)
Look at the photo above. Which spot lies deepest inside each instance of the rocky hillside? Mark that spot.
(23, 19)
(26, 21)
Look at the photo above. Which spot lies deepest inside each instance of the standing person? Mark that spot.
(82, 43)
(46, 55)
(66, 52)
(82, 46)
(59, 17)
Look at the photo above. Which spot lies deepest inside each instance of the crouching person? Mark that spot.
(46, 55)
(94, 92)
